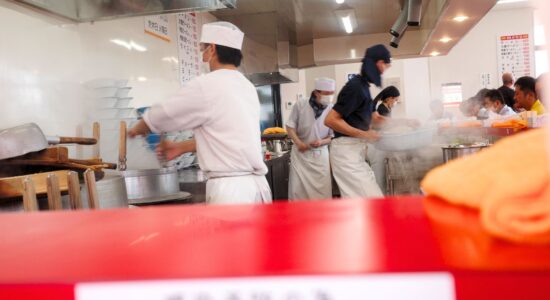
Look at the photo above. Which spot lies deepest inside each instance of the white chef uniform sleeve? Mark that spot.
(292, 121)
(186, 110)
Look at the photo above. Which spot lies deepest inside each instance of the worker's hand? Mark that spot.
(140, 128)
(167, 150)
(316, 144)
(302, 147)
(370, 135)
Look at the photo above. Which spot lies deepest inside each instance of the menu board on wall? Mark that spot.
(515, 55)
(157, 26)
(188, 46)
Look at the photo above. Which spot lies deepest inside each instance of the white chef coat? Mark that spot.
(223, 110)
(309, 176)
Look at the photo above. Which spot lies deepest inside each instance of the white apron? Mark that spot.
(353, 175)
(237, 189)
(309, 177)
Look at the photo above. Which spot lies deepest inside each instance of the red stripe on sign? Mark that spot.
(493, 285)
(37, 291)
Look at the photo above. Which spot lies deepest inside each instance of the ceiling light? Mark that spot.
(121, 43)
(347, 24)
(460, 18)
(434, 53)
(340, 1)
(348, 19)
(445, 39)
(141, 78)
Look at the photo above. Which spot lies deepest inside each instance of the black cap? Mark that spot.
(378, 52)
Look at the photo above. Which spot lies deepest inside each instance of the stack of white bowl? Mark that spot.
(111, 105)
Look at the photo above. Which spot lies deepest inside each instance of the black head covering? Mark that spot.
(372, 55)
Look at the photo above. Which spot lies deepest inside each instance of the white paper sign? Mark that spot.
(515, 55)
(188, 46)
(406, 286)
(157, 26)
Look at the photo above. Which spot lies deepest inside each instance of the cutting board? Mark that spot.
(11, 187)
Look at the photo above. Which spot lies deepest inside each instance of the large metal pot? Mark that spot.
(457, 151)
(152, 184)
(111, 192)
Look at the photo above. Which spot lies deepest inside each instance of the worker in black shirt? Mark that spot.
(351, 119)
(385, 100)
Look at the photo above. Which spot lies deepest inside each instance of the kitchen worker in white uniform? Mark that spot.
(223, 110)
(309, 176)
(351, 119)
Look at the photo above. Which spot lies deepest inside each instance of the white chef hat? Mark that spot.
(325, 84)
(223, 34)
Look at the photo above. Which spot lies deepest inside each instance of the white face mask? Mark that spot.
(326, 99)
(205, 65)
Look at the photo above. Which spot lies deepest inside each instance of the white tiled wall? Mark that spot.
(45, 60)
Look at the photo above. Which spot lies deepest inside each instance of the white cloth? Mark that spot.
(353, 175)
(248, 189)
(225, 121)
(223, 34)
(309, 129)
(507, 111)
(325, 84)
(309, 177)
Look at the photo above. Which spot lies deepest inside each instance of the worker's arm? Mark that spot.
(140, 128)
(335, 121)
(296, 140)
(169, 150)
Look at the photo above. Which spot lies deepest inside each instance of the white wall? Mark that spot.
(476, 53)
(44, 62)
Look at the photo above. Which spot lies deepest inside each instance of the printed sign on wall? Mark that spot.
(157, 26)
(188, 46)
(515, 55)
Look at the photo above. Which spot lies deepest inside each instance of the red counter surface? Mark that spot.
(43, 255)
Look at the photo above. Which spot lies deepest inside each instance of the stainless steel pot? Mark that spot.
(111, 192)
(151, 184)
(454, 152)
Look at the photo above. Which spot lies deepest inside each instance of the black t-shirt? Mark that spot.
(383, 110)
(355, 104)
(508, 95)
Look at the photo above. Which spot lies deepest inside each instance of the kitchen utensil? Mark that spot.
(96, 132)
(457, 151)
(74, 190)
(29, 195)
(28, 138)
(11, 187)
(89, 179)
(54, 193)
(122, 146)
(151, 184)
(413, 139)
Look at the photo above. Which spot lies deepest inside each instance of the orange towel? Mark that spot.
(516, 124)
(509, 182)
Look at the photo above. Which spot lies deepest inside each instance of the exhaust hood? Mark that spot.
(93, 10)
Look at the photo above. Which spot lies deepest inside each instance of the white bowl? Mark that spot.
(113, 113)
(114, 123)
(123, 92)
(122, 102)
(108, 102)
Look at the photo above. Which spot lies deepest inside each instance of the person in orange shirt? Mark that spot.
(526, 96)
